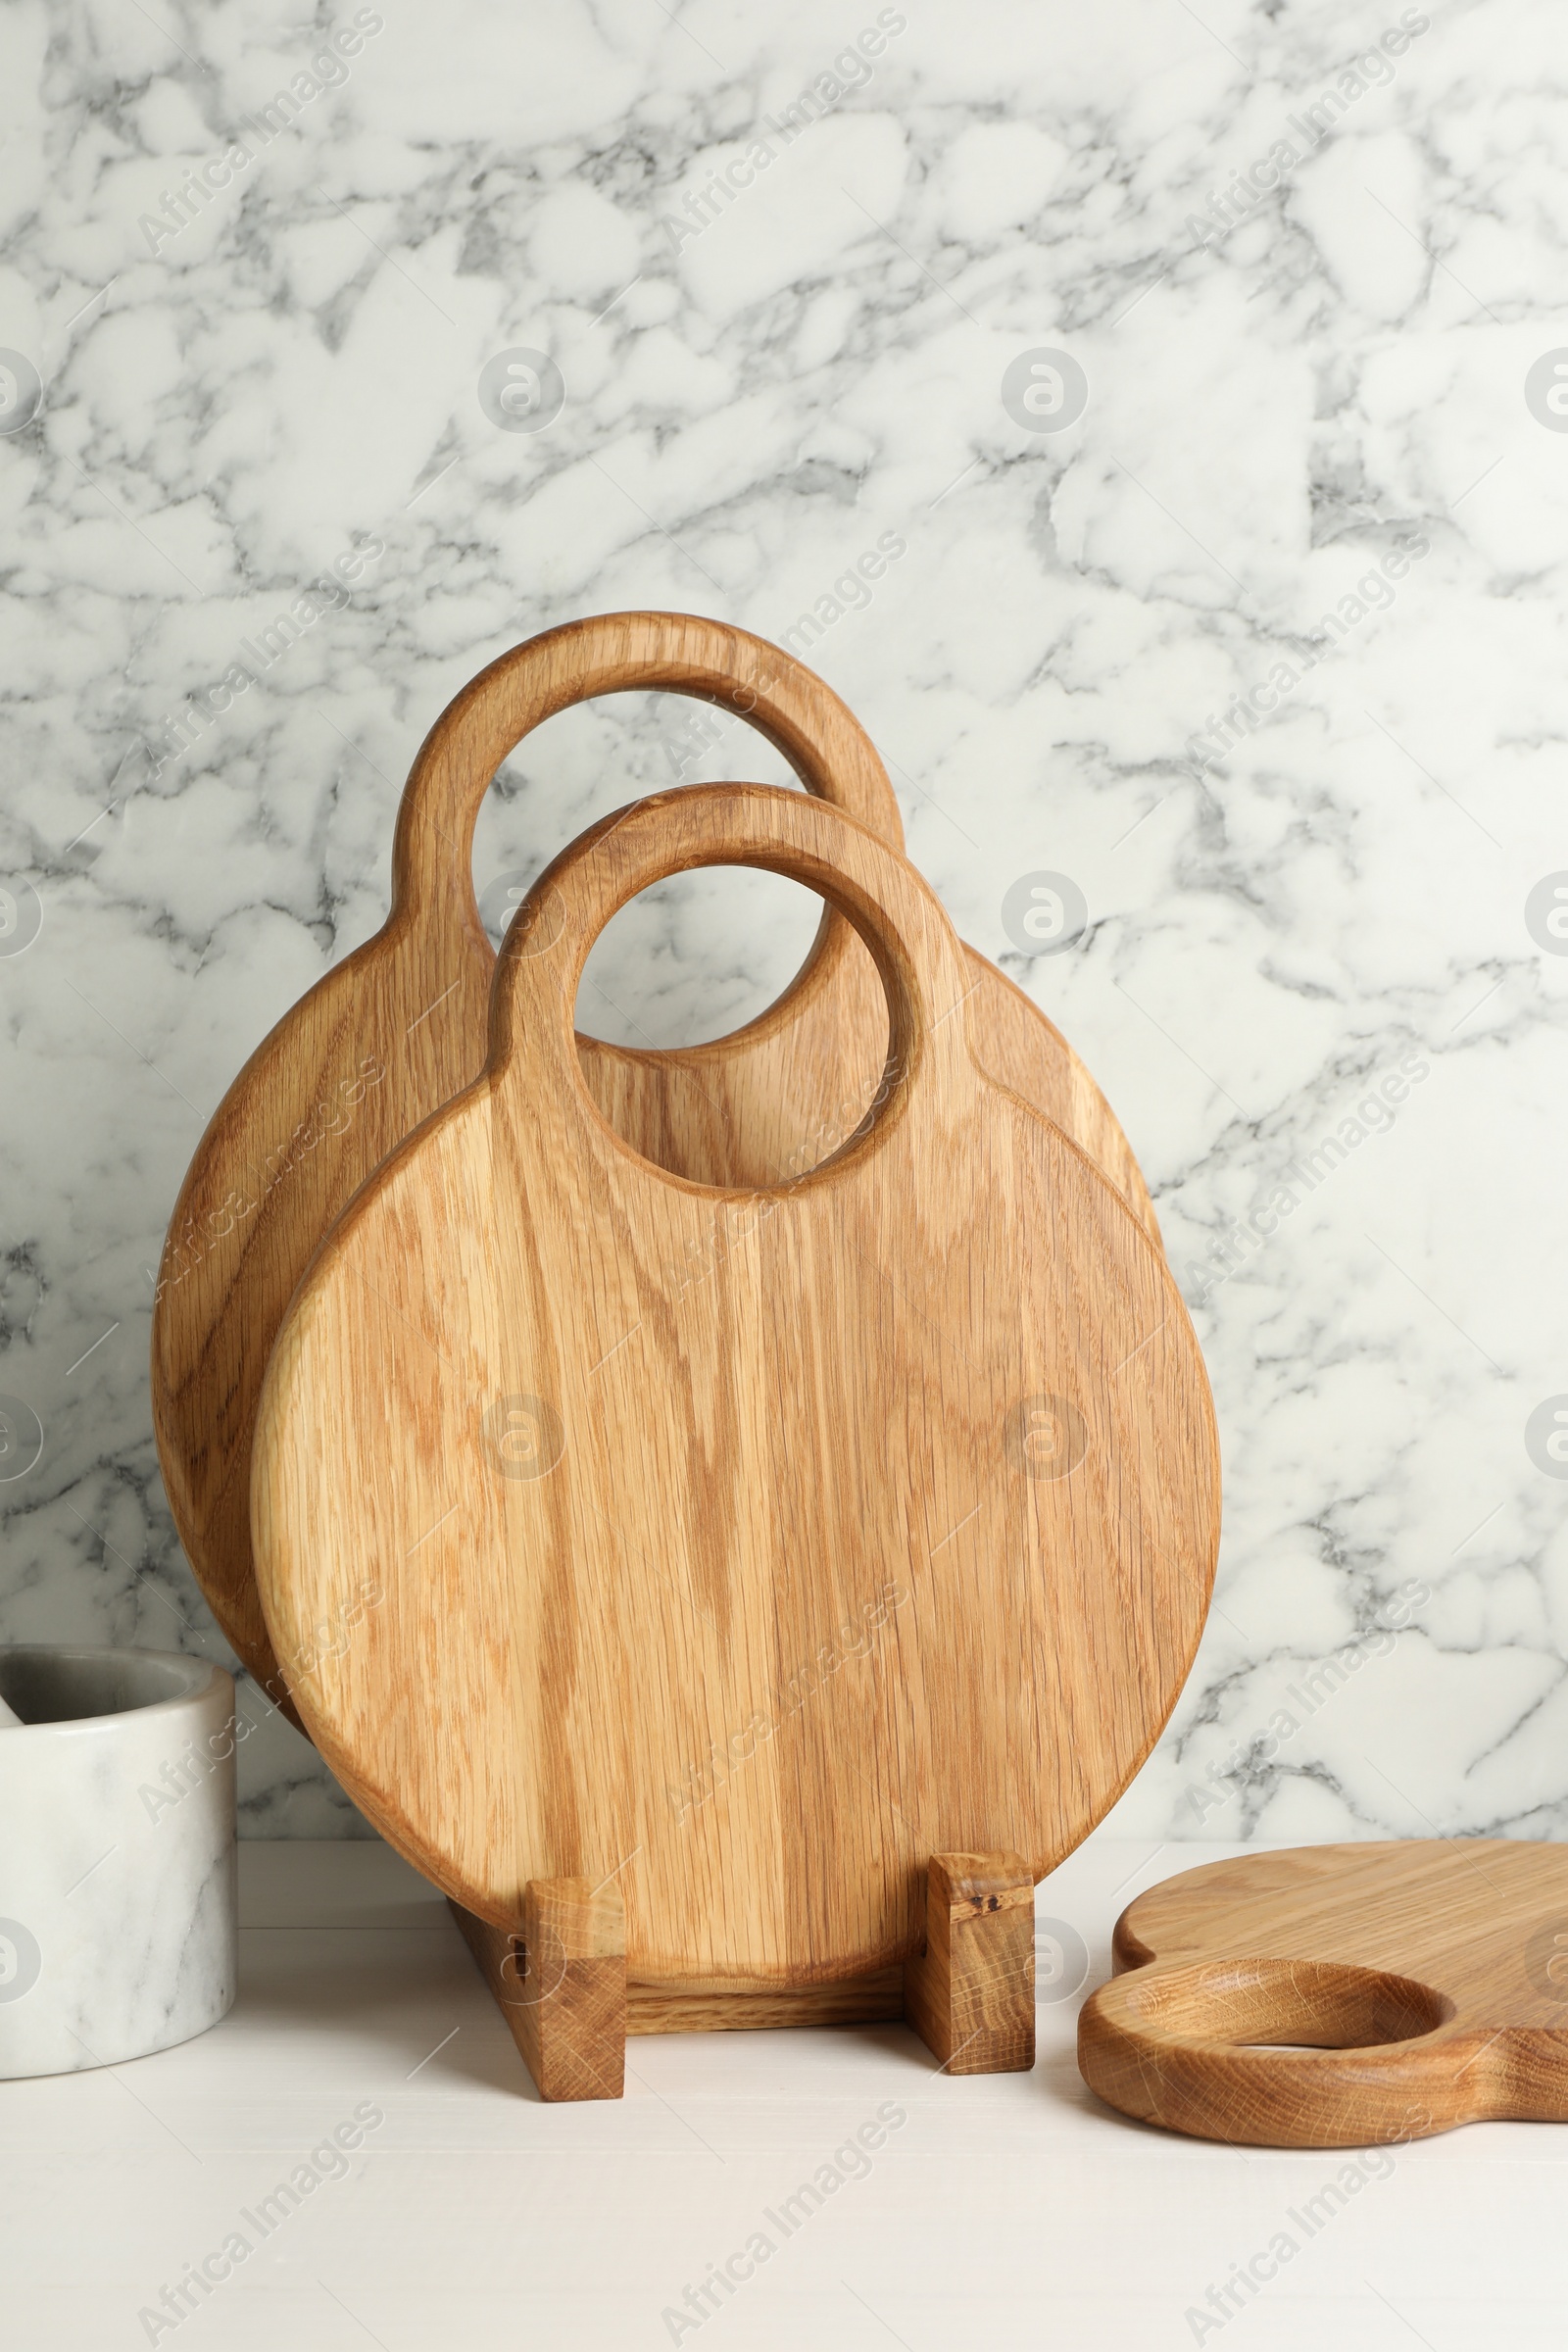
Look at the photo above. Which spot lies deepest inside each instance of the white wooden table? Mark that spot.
(1008, 2209)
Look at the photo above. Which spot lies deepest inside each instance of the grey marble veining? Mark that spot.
(1321, 465)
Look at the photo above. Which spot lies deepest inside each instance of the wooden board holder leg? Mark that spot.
(970, 1993)
(562, 1985)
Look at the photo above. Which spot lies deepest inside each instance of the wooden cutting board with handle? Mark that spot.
(399, 1027)
(1335, 1996)
(624, 1461)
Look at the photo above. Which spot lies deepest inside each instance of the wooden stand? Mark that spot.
(562, 1988)
(970, 1993)
(562, 1985)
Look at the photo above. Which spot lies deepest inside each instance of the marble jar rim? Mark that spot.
(113, 1683)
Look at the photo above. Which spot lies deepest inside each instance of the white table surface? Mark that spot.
(1011, 2208)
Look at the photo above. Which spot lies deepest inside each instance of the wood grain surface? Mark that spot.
(1339, 1997)
(749, 1546)
(399, 1027)
(969, 1989)
(562, 1985)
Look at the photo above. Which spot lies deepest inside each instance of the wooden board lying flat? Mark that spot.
(1418, 1985)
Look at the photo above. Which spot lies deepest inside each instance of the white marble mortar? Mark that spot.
(118, 1909)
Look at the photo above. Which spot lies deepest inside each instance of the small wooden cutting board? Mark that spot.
(1334, 1996)
(749, 1547)
(399, 1027)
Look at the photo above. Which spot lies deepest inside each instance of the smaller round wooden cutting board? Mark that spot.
(747, 1547)
(396, 1029)
(1337, 1996)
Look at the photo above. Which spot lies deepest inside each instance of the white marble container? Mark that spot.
(117, 1912)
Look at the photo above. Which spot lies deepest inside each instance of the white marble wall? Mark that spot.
(1324, 401)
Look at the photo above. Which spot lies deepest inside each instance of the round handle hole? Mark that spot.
(591, 758)
(1287, 2005)
(696, 956)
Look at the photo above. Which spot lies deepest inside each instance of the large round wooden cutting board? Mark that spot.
(399, 1027)
(749, 1546)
